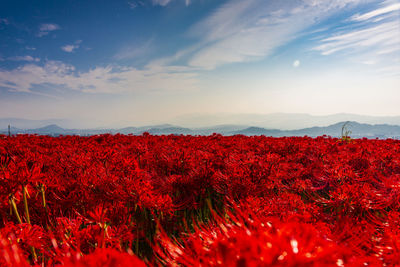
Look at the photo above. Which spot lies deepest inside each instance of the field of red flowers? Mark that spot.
(198, 201)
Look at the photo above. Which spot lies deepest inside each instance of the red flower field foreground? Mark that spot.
(198, 201)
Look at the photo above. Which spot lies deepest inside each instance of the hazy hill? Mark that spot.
(283, 121)
(358, 130)
(31, 124)
(258, 131)
(206, 124)
(53, 128)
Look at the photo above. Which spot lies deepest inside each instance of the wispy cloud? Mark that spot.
(382, 36)
(135, 50)
(48, 27)
(24, 58)
(110, 79)
(4, 21)
(30, 48)
(135, 4)
(132, 5)
(45, 29)
(369, 62)
(367, 38)
(241, 31)
(390, 71)
(166, 2)
(71, 47)
(376, 12)
(161, 2)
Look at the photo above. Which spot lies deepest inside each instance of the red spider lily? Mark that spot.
(11, 254)
(103, 257)
(243, 241)
(339, 200)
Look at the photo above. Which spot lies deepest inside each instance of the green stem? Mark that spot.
(33, 254)
(137, 240)
(28, 220)
(43, 196)
(14, 208)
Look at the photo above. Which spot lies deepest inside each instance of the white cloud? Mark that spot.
(132, 5)
(72, 47)
(134, 51)
(135, 4)
(30, 48)
(4, 21)
(69, 48)
(45, 29)
(296, 63)
(388, 71)
(48, 27)
(376, 41)
(110, 79)
(24, 58)
(376, 12)
(369, 62)
(166, 2)
(161, 2)
(241, 31)
(384, 35)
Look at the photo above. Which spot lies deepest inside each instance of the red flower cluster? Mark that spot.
(198, 201)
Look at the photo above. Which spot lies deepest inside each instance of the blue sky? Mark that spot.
(142, 62)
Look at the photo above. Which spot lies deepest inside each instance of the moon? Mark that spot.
(296, 63)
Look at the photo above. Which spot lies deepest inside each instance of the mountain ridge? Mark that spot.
(357, 130)
(282, 121)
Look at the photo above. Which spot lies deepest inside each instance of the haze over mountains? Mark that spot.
(282, 121)
(276, 125)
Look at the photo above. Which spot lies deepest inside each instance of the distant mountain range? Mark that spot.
(230, 122)
(358, 130)
(283, 121)
(31, 124)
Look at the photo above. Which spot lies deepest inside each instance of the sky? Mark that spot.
(138, 62)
